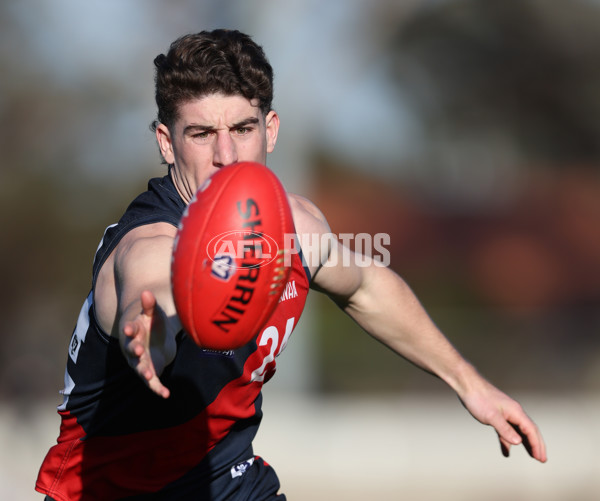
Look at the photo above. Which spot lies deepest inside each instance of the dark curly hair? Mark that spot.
(220, 61)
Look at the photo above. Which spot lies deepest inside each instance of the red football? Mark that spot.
(229, 268)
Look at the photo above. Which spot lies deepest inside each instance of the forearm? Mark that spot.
(388, 310)
(142, 263)
(383, 304)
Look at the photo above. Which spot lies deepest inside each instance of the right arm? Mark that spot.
(144, 320)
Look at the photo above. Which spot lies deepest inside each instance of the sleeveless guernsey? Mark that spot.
(118, 439)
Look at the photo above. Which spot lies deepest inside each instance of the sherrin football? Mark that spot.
(228, 267)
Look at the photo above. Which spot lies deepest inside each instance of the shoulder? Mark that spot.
(330, 262)
(307, 216)
(313, 232)
(150, 230)
(142, 254)
(145, 240)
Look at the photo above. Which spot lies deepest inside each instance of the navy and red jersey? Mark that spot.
(117, 438)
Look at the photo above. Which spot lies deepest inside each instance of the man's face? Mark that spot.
(212, 132)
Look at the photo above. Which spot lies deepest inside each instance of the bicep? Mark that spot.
(339, 276)
(143, 262)
(333, 266)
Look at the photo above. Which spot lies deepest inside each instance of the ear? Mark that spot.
(165, 144)
(272, 129)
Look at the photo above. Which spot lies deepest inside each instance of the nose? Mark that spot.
(225, 152)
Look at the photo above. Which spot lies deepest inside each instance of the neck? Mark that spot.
(186, 192)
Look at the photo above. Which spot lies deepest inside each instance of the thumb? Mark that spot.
(148, 303)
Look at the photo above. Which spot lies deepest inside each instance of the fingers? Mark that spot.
(137, 345)
(527, 433)
(141, 362)
(149, 376)
(532, 440)
(492, 407)
(507, 432)
(135, 349)
(157, 387)
(148, 303)
(530, 435)
(504, 447)
(130, 329)
(139, 328)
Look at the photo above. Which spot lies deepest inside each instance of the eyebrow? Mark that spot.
(199, 127)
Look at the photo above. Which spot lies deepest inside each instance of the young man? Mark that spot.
(147, 414)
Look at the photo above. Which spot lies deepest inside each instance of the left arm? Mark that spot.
(381, 302)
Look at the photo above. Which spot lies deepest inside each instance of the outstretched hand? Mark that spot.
(148, 346)
(492, 407)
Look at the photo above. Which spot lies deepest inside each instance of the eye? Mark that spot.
(242, 131)
(202, 136)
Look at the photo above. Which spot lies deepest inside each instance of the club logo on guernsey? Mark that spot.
(239, 469)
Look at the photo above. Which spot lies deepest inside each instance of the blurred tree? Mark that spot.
(529, 67)
(500, 238)
(498, 86)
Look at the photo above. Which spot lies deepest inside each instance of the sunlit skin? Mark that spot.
(213, 132)
(209, 133)
(133, 294)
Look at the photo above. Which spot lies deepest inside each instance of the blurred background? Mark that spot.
(468, 130)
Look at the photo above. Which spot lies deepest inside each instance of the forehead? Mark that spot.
(217, 110)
